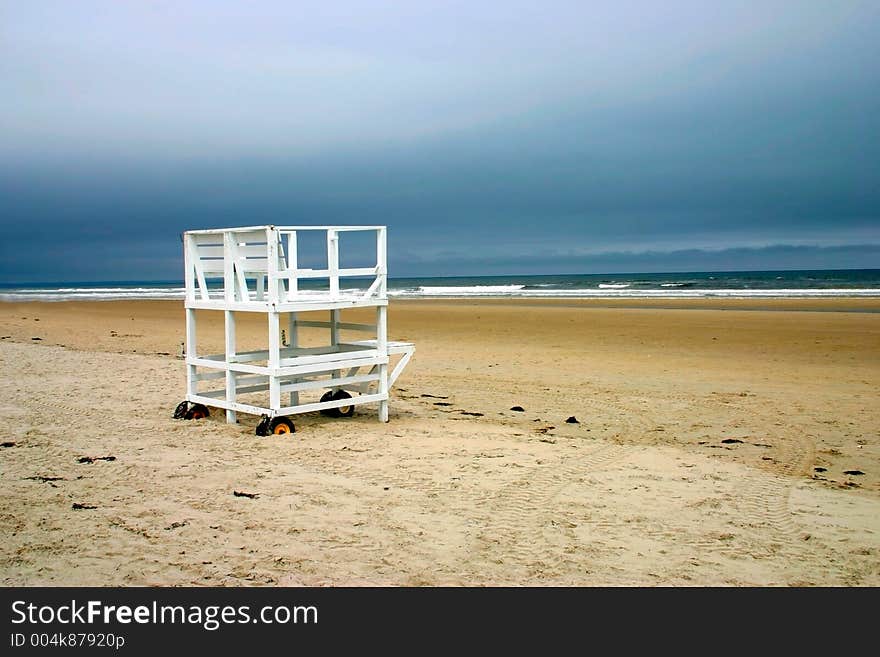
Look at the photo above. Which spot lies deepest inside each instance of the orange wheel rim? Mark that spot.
(345, 410)
(198, 415)
(281, 428)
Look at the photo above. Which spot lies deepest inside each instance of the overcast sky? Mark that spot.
(491, 137)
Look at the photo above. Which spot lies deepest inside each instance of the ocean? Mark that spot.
(741, 284)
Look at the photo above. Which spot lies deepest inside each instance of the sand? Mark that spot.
(696, 461)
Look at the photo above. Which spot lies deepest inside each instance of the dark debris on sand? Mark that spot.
(250, 496)
(77, 506)
(518, 409)
(92, 459)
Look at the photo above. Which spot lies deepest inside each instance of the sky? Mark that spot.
(490, 137)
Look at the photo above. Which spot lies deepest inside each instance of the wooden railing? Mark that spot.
(268, 256)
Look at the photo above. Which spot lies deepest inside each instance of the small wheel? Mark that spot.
(197, 412)
(344, 411)
(263, 426)
(181, 409)
(281, 425)
(329, 412)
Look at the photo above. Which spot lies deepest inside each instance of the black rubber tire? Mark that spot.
(197, 412)
(343, 411)
(329, 412)
(263, 426)
(180, 411)
(281, 425)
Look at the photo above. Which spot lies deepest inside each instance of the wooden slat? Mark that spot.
(212, 251)
(252, 250)
(235, 367)
(242, 292)
(373, 288)
(329, 357)
(393, 347)
(207, 376)
(308, 408)
(305, 273)
(346, 326)
(327, 383)
(401, 364)
(255, 236)
(358, 271)
(212, 266)
(212, 238)
(200, 274)
(250, 379)
(239, 390)
(323, 367)
(222, 403)
(207, 232)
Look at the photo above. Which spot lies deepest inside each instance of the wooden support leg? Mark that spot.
(191, 382)
(383, 389)
(274, 362)
(293, 344)
(334, 335)
(230, 354)
(382, 347)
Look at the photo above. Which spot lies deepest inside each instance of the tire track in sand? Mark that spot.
(764, 494)
(524, 530)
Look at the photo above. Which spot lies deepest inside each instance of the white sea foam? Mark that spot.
(91, 293)
(605, 290)
(471, 290)
(618, 293)
(613, 286)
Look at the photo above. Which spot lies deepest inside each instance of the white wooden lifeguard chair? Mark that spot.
(254, 269)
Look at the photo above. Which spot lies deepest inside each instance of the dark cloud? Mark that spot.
(782, 257)
(659, 135)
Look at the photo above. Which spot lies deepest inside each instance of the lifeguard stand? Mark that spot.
(255, 269)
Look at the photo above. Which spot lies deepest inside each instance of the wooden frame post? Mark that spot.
(274, 362)
(382, 320)
(382, 349)
(333, 262)
(229, 322)
(192, 384)
(274, 332)
(293, 343)
(190, 344)
(292, 264)
(334, 335)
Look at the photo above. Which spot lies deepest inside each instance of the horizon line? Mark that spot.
(5, 284)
